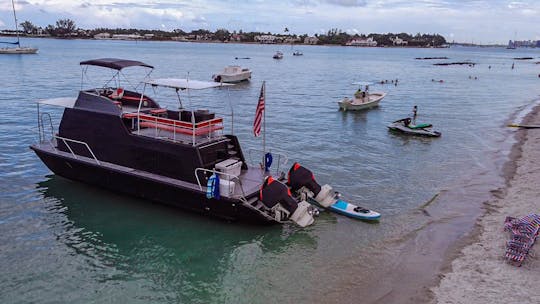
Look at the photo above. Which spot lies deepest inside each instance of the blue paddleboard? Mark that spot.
(354, 211)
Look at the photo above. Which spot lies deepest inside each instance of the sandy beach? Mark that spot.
(480, 273)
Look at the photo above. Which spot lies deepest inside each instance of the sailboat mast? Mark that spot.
(16, 25)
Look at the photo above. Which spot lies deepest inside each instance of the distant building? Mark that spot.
(236, 37)
(126, 36)
(266, 39)
(204, 37)
(291, 40)
(311, 40)
(362, 42)
(148, 36)
(398, 41)
(102, 36)
(522, 43)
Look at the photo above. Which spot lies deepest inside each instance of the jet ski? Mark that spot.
(302, 183)
(405, 126)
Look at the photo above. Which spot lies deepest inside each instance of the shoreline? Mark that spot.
(228, 42)
(475, 269)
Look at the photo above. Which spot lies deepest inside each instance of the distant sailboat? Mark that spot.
(18, 49)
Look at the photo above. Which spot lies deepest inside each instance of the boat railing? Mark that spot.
(66, 140)
(282, 158)
(242, 197)
(231, 177)
(41, 126)
(178, 127)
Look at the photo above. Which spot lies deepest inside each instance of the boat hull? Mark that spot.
(137, 183)
(399, 127)
(357, 104)
(18, 50)
(246, 76)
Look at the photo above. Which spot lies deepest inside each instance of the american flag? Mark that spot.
(259, 114)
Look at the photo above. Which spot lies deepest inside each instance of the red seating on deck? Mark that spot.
(177, 126)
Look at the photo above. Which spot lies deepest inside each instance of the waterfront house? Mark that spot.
(126, 36)
(362, 42)
(311, 40)
(102, 36)
(266, 39)
(398, 41)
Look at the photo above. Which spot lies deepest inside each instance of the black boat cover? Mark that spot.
(273, 192)
(301, 177)
(115, 63)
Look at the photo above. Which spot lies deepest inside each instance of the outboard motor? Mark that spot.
(274, 194)
(302, 181)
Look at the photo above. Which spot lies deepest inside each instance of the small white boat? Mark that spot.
(297, 53)
(232, 74)
(361, 102)
(362, 99)
(405, 126)
(18, 49)
(278, 55)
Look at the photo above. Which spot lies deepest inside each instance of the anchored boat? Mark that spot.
(125, 141)
(278, 55)
(362, 99)
(233, 74)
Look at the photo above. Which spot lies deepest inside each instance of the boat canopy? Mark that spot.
(177, 83)
(66, 102)
(115, 63)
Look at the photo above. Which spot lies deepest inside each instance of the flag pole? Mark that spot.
(264, 125)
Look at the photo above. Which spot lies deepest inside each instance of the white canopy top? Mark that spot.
(177, 83)
(66, 102)
(363, 83)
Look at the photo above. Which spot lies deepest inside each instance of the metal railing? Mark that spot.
(232, 177)
(242, 197)
(207, 127)
(66, 140)
(281, 160)
(41, 126)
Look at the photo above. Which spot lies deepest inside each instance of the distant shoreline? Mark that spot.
(229, 42)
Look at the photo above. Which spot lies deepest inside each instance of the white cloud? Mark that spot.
(476, 19)
(199, 19)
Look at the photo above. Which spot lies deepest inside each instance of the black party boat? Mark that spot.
(123, 140)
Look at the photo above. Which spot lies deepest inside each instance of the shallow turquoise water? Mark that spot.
(62, 241)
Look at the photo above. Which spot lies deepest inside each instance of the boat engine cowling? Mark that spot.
(326, 197)
(273, 193)
(303, 216)
(302, 181)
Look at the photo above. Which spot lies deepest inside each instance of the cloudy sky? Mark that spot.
(478, 21)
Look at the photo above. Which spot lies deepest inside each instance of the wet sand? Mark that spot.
(479, 272)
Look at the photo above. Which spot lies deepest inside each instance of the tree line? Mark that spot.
(67, 28)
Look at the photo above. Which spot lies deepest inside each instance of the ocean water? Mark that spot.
(63, 241)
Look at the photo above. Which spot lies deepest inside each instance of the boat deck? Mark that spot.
(250, 179)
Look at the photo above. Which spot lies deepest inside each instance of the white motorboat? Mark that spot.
(278, 55)
(405, 126)
(297, 53)
(362, 99)
(18, 49)
(232, 74)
